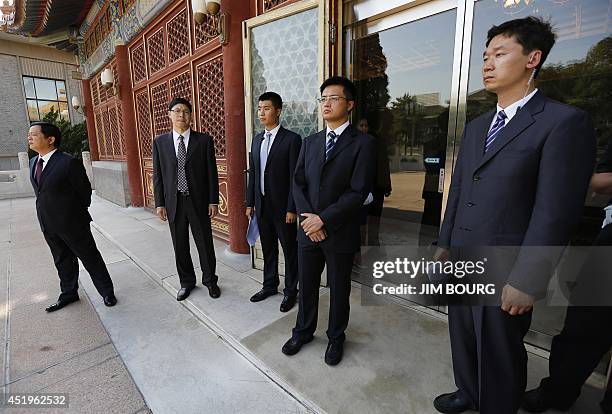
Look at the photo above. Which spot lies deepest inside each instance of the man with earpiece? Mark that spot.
(520, 180)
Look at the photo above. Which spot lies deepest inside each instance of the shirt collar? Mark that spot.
(175, 135)
(338, 130)
(48, 155)
(511, 110)
(273, 131)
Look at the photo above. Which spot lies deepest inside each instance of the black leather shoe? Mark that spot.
(183, 294)
(110, 300)
(293, 345)
(333, 353)
(262, 294)
(214, 291)
(538, 401)
(287, 303)
(61, 303)
(452, 402)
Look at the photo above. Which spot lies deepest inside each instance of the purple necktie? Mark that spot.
(38, 171)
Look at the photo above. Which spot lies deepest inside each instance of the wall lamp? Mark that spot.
(76, 104)
(201, 8)
(106, 77)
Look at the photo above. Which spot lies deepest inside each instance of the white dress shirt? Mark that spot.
(512, 109)
(45, 158)
(185, 135)
(338, 131)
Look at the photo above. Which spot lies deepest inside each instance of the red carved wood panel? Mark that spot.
(159, 103)
(156, 51)
(143, 119)
(211, 119)
(139, 64)
(180, 86)
(206, 31)
(211, 114)
(178, 36)
(174, 57)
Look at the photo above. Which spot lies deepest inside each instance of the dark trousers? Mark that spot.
(312, 260)
(271, 230)
(66, 248)
(199, 222)
(586, 335)
(489, 357)
(576, 351)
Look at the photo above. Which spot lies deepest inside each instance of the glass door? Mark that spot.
(406, 75)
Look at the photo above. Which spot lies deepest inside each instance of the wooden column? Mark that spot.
(129, 125)
(89, 120)
(233, 88)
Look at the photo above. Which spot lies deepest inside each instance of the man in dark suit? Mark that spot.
(520, 179)
(586, 336)
(333, 177)
(63, 195)
(274, 154)
(187, 195)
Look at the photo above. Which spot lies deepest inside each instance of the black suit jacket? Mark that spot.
(280, 167)
(335, 189)
(200, 168)
(527, 190)
(63, 194)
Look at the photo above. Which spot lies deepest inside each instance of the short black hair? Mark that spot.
(273, 97)
(349, 87)
(177, 101)
(50, 130)
(533, 33)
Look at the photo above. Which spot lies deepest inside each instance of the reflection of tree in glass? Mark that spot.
(371, 80)
(586, 84)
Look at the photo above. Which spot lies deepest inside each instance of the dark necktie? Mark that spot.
(182, 159)
(39, 168)
(499, 124)
(330, 143)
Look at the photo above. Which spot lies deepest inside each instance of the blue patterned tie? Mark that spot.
(331, 141)
(499, 124)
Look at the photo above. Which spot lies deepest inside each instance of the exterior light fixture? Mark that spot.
(76, 104)
(106, 77)
(201, 8)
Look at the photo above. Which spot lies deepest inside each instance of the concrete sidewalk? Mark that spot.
(221, 356)
(63, 352)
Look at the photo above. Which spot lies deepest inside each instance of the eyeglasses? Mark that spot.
(179, 112)
(332, 99)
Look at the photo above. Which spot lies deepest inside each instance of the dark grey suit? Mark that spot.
(192, 211)
(528, 189)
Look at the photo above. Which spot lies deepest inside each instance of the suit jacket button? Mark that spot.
(470, 204)
(476, 177)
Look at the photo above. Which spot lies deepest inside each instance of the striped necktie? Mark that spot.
(331, 141)
(500, 123)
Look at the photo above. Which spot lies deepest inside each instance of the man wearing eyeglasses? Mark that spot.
(333, 177)
(187, 195)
